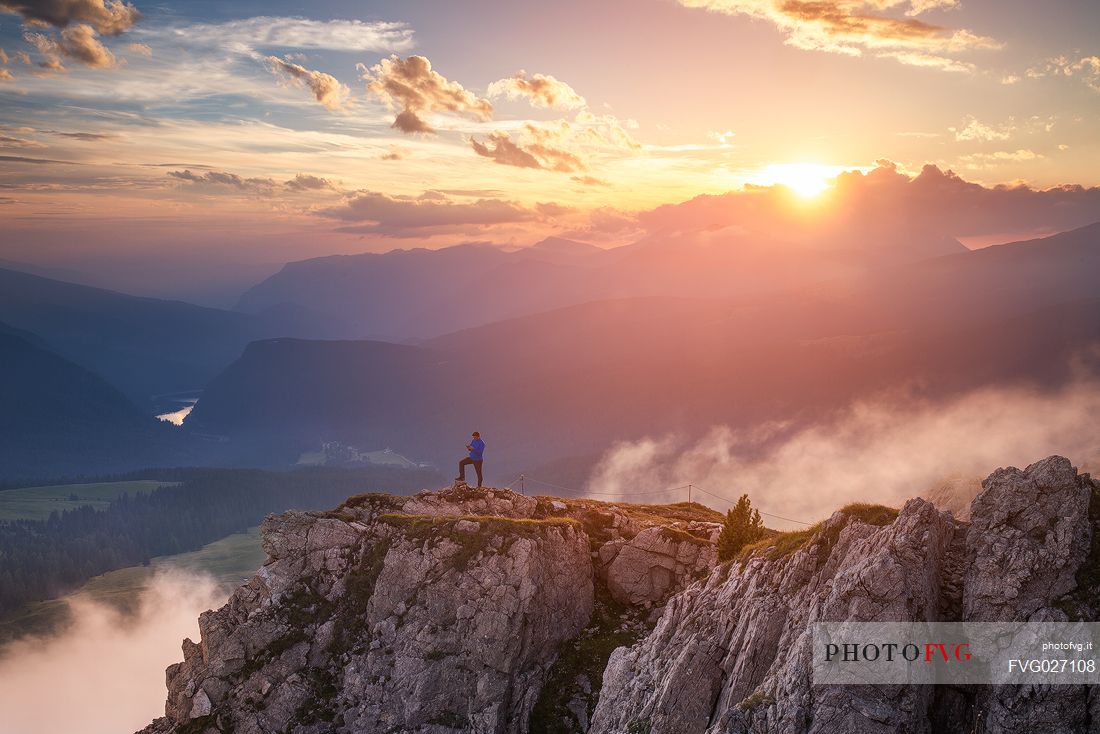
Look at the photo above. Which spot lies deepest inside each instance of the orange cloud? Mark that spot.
(1086, 68)
(306, 182)
(541, 90)
(415, 90)
(328, 90)
(847, 27)
(557, 146)
(225, 180)
(78, 42)
(109, 17)
(541, 148)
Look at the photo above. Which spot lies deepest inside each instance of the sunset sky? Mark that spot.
(165, 142)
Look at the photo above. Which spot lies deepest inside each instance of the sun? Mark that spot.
(807, 180)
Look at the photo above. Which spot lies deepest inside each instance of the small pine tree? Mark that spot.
(741, 527)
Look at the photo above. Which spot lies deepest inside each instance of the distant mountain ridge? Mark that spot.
(554, 384)
(415, 294)
(143, 346)
(57, 418)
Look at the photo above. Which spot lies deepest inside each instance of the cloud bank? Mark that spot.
(105, 673)
(882, 450)
(886, 201)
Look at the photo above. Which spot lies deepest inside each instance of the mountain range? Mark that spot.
(552, 385)
(555, 351)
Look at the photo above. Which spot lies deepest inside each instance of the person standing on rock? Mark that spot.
(476, 447)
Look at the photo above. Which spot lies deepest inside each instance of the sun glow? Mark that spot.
(805, 179)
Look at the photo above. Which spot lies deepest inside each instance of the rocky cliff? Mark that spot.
(488, 611)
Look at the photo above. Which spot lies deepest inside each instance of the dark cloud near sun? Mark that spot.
(885, 202)
(413, 89)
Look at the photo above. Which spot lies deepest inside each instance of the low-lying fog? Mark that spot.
(882, 450)
(104, 674)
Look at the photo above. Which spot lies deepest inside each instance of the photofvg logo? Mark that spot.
(932, 653)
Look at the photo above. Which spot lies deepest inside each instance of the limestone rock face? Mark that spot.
(732, 655)
(654, 563)
(441, 612)
(473, 610)
(1030, 533)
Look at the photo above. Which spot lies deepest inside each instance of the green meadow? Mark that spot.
(36, 503)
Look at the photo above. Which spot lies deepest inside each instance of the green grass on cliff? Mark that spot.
(782, 545)
(647, 514)
(429, 528)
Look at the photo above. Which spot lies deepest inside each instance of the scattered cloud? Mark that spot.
(406, 216)
(306, 182)
(972, 129)
(77, 42)
(4, 58)
(541, 148)
(246, 35)
(850, 27)
(327, 89)
(561, 145)
(589, 181)
(141, 49)
(395, 153)
(36, 161)
(1085, 68)
(109, 17)
(6, 76)
(86, 137)
(412, 88)
(8, 141)
(499, 147)
(977, 161)
(724, 139)
(540, 90)
(225, 180)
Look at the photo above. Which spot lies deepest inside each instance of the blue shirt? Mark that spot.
(477, 449)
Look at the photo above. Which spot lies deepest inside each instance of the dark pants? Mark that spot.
(465, 463)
